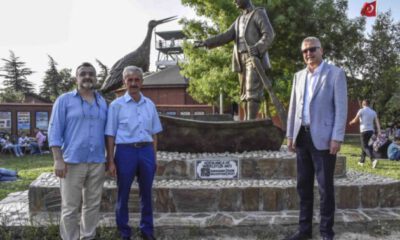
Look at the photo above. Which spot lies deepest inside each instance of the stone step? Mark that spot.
(260, 225)
(349, 223)
(251, 165)
(357, 190)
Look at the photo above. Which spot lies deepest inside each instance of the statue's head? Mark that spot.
(242, 4)
(154, 23)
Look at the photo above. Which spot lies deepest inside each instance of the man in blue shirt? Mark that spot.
(132, 125)
(76, 138)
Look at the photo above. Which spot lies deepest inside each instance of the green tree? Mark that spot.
(56, 82)
(15, 75)
(68, 82)
(11, 97)
(292, 22)
(52, 80)
(381, 75)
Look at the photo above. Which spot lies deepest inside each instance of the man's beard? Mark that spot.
(87, 85)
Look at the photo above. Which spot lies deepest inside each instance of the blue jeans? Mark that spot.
(17, 149)
(35, 148)
(7, 175)
(131, 162)
(396, 156)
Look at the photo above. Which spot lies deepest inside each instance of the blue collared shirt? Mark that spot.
(130, 121)
(77, 126)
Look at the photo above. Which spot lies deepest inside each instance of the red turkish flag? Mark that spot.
(369, 9)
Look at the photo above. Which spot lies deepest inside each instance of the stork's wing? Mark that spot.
(114, 79)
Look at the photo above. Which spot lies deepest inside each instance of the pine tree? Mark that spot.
(52, 80)
(56, 82)
(68, 82)
(15, 75)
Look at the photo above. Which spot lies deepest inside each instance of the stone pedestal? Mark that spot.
(262, 200)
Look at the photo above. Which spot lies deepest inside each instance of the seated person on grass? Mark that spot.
(394, 148)
(8, 145)
(36, 146)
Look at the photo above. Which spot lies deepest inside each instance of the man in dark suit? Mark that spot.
(253, 35)
(315, 131)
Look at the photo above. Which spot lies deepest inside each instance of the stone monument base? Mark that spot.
(255, 199)
(371, 224)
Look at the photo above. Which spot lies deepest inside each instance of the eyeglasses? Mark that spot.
(82, 74)
(311, 50)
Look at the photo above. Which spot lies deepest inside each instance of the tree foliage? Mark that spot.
(11, 97)
(381, 75)
(292, 22)
(15, 75)
(52, 80)
(55, 82)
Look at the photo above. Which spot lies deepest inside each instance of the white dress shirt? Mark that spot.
(311, 82)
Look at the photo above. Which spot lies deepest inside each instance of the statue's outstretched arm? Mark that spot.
(221, 39)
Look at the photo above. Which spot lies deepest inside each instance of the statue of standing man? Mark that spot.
(253, 35)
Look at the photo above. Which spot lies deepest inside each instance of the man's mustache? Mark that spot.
(87, 80)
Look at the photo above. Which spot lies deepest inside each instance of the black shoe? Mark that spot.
(299, 236)
(148, 237)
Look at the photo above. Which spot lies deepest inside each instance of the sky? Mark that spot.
(75, 31)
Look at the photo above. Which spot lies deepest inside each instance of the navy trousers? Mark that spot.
(310, 162)
(131, 162)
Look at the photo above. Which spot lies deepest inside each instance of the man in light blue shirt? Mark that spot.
(76, 138)
(132, 125)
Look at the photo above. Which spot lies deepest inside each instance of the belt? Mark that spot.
(306, 128)
(137, 144)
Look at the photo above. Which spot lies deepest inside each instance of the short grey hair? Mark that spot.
(132, 69)
(312, 39)
(85, 64)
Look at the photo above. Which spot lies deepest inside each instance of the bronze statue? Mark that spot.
(253, 35)
(140, 57)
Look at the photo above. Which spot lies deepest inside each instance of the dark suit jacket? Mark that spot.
(258, 33)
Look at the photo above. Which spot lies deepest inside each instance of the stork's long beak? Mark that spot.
(165, 20)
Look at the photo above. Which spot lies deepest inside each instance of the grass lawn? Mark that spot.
(351, 149)
(30, 167)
